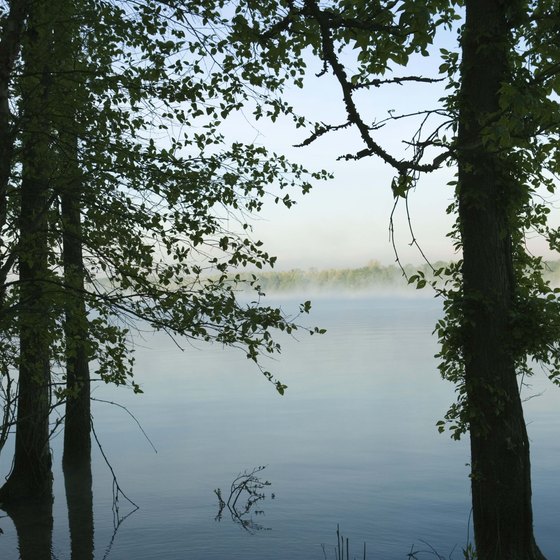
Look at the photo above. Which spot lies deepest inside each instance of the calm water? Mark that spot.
(352, 442)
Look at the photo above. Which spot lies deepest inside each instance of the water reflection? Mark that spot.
(79, 499)
(33, 521)
(246, 491)
(34, 524)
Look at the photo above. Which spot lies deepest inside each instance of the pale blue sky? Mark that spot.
(345, 222)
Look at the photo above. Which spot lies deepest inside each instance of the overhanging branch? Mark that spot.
(329, 55)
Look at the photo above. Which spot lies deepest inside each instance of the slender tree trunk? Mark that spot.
(10, 45)
(31, 476)
(500, 466)
(77, 437)
(69, 87)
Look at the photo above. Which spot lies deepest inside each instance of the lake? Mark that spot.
(352, 443)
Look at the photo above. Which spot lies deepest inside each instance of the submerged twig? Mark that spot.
(249, 484)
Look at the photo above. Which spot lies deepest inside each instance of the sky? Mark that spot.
(344, 222)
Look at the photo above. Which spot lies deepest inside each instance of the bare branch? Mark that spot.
(320, 131)
(397, 80)
(354, 117)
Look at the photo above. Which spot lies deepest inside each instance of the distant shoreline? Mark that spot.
(372, 277)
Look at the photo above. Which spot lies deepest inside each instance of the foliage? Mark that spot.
(166, 199)
(530, 148)
(364, 46)
(161, 186)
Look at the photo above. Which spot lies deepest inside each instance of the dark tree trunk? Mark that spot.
(69, 92)
(77, 437)
(500, 467)
(31, 476)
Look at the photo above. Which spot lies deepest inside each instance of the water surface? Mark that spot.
(352, 442)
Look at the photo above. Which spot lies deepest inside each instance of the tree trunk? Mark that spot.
(31, 476)
(77, 425)
(69, 88)
(500, 466)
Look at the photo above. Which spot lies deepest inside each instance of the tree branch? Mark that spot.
(354, 117)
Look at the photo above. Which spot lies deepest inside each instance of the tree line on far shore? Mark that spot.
(374, 276)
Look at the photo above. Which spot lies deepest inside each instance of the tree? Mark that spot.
(499, 127)
(120, 217)
(12, 23)
(70, 90)
(491, 198)
(31, 474)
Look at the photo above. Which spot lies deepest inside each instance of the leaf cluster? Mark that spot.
(140, 92)
(362, 46)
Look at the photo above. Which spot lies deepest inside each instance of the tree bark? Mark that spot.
(500, 465)
(69, 87)
(77, 424)
(31, 476)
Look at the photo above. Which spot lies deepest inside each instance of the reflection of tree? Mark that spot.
(79, 498)
(8, 398)
(118, 519)
(33, 521)
(246, 490)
